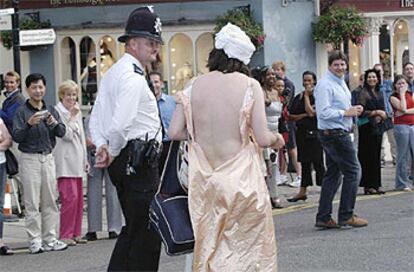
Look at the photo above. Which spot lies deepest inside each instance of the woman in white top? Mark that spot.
(273, 109)
(71, 164)
(5, 143)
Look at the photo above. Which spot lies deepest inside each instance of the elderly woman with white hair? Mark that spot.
(71, 164)
(223, 116)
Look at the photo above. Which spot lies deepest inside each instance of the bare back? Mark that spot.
(216, 101)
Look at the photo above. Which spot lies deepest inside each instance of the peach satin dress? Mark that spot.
(229, 206)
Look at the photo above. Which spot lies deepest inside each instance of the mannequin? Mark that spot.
(182, 76)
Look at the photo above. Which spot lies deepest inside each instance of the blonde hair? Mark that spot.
(14, 74)
(279, 64)
(68, 85)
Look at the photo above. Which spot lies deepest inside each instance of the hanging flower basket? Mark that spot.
(339, 25)
(27, 23)
(243, 19)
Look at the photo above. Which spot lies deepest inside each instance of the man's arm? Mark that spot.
(20, 127)
(56, 126)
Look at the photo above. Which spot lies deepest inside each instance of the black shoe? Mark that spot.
(113, 235)
(295, 199)
(90, 236)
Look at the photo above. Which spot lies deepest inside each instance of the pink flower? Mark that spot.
(261, 39)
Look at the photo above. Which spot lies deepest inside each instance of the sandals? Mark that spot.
(5, 250)
(373, 191)
(370, 191)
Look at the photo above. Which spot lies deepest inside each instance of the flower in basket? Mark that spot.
(338, 25)
(243, 19)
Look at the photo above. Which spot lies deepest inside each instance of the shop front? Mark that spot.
(84, 55)
(390, 40)
(86, 39)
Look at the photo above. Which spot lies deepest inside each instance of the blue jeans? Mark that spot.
(341, 158)
(404, 139)
(2, 190)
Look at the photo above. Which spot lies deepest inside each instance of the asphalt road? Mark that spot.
(387, 244)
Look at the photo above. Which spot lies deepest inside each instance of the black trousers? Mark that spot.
(369, 155)
(138, 247)
(164, 153)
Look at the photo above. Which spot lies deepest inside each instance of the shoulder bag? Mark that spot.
(12, 167)
(168, 212)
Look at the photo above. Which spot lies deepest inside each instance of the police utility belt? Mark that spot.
(143, 153)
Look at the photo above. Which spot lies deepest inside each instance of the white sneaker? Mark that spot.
(35, 248)
(281, 180)
(55, 245)
(296, 182)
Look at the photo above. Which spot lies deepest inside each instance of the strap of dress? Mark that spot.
(185, 97)
(248, 97)
(245, 113)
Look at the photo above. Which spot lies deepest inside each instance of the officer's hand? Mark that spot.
(103, 159)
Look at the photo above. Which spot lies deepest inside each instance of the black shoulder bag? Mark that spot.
(12, 167)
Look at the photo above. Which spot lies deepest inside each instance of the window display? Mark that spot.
(88, 67)
(68, 59)
(204, 45)
(181, 60)
(400, 43)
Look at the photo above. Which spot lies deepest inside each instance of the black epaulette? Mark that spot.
(138, 70)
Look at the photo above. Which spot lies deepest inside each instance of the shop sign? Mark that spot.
(30, 4)
(37, 37)
(407, 3)
(5, 22)
(59, 3)
(8, 11)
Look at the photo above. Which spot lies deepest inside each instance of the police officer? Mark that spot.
(126, 110)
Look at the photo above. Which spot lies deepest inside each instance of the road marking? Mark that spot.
(300, 207)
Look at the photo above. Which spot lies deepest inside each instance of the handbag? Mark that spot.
(382, 126)
(12, 166)
(168, 212)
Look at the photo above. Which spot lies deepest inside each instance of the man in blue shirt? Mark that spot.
(335, 119)
(387, 90)
(166, 105)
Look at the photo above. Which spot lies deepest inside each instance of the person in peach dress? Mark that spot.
(222, 115)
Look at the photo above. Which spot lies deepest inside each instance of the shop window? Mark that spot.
(121, 49)
(400, 44)
(107, 51)
(87, 49)
(204, 45)
(181, 61)
(68, 59)
(385, 50)
(354, 65)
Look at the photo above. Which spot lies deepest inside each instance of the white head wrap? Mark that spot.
(235, 43)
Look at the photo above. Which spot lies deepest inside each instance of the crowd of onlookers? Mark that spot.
(53, 143)
(388, 110)
(54, 152)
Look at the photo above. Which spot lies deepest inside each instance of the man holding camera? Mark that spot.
(125, 120)
(34, 129)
